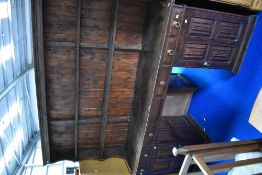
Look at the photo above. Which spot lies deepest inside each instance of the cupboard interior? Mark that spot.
(98, 76)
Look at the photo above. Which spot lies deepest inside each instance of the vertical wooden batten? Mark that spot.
(111, 44)
(77, 67)
(37, 23)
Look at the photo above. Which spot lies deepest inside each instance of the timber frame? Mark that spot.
(39, 51)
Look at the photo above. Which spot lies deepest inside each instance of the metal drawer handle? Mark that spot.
(171, 52)
(207, 63)
(176, 24)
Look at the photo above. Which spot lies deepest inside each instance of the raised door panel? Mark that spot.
(163, 161)
(177, 130)
(210, 39)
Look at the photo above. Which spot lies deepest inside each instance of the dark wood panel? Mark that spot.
(60, 67)
(91, 82)
(115, 134)
(90, 112)
(61, 135)
(92, 72)
(60, 10)
(88, 135)
(95, 20)
(59, 28)
(123, 82)
(130, 24)
(103, 5)
(66, 3)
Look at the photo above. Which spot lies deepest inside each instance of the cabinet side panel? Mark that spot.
(153, 42)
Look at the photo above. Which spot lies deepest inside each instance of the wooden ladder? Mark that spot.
(205, 153)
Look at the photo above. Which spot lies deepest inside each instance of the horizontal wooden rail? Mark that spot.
(223, 167)
(201, 154)
(94, 46)
(214, 146)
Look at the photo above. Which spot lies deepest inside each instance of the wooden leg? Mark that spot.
(185, 165)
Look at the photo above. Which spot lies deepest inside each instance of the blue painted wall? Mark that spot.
(225, 99)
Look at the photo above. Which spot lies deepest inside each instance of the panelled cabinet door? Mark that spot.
(212, 39)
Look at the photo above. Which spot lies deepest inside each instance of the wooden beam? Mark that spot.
(224, 167)
(111, 43)
(77, 65)
(90, 121)
(217, 146)
(128, 47)
(94, 46)
(37, 23)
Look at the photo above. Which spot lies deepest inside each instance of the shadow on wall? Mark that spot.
(223, 100)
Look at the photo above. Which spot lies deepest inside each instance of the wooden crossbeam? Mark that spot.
(217, 151)
(215, 146)
(111, 43)
(94, 46)
(77, 66)
(89, 121)
(223, 167)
